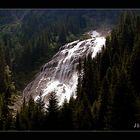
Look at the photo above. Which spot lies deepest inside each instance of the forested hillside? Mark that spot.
(31, 37)
(108, 85)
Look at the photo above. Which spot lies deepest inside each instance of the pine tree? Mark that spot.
(95, 109)
(40, 103)
(38, 120)
(52, 112)
(66, 116)
(135, 66)
(2, 70)
(30, 113)
(21, 117)
(83, 110)
(6, 111)
(6, 116)
(17, 121)
(123, 104)
(104, 108)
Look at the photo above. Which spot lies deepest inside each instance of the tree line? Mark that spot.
(107, 91)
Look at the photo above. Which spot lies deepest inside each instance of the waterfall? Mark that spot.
(61, 74)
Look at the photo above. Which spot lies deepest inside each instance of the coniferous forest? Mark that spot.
(108, 89)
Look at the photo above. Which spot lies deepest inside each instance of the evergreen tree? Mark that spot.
(17, 121)
(2, 70)
(123, 105)
(66, 116)
(96, 114)
(82, 115)
(38, 120)
(52, 112)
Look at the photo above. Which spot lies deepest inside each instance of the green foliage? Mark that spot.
(83, 115)
(31, 37)
(108, 85)
(95, 109)
(114, 75)
(52, 112)
(123, 104)
(66, 116)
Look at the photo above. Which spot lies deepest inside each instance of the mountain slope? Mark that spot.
(31, 37)
(61, 73)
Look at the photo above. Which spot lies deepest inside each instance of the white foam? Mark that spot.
(65, 88)
(94, 34)
(100, 41)
(62, 90)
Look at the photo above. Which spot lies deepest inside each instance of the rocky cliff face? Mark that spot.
(60, 74)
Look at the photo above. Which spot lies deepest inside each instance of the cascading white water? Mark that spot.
(61, 74)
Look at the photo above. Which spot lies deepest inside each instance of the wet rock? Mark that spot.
(60, 74)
